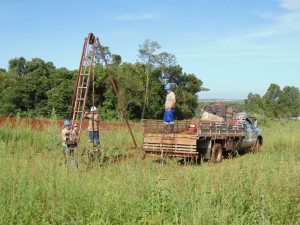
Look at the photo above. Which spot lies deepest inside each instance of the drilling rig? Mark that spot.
(83, 82)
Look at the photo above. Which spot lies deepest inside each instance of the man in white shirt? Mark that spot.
(93, 127)
(169, 107)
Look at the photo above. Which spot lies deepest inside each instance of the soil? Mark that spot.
(42, 123)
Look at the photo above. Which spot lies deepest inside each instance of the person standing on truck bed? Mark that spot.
(169, 108)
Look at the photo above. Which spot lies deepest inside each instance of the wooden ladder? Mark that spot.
(82, 83)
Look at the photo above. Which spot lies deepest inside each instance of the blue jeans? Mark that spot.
(169, 116)
(65, 149)
(94, 134)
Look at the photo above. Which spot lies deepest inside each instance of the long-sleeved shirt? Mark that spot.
(93, 118)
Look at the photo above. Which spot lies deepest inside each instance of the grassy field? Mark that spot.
(37, 188)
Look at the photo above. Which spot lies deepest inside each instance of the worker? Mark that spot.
(169, 109)
(65, 133)
(69, 143)
(93, 127)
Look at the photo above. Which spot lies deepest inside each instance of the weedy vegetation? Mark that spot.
(38, 188)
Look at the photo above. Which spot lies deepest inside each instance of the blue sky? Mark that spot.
(234, 46)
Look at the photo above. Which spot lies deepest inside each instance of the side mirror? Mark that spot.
(255, 124)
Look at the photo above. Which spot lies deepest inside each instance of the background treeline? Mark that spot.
(276, 103)
(35, 88)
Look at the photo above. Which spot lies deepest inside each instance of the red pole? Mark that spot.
(116, 91)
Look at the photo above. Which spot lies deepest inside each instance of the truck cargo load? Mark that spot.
(218, 130)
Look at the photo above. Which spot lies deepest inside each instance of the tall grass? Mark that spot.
(37, 188)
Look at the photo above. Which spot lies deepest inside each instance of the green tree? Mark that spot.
(116, 59)
(98, 55)
(289, 102)
(34, 86)
(27, 84)
(10, 101)
(148, 57)
(276, 102)
(18, 66)
(9, 93)
(59, 97)
(157, 95)
(167, 63)
(104, 94)
(186, 95)
(270, 100)
(254, 103)
(130, 87)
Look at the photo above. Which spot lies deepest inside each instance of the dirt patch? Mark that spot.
(42, 123)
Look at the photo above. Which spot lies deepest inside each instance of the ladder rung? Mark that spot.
(82, 87)
(85, 74)
(80, 99)
(83, 83)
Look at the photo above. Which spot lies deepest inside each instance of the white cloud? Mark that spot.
(276, 42)
(290, 20)
(293, 5)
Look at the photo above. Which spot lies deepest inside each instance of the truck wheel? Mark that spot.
(217, 153)
(256, 147)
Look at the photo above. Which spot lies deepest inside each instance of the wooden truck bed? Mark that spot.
(173, 144)
(158, 140)
(157, 126)
(220, 130)
(182, 141)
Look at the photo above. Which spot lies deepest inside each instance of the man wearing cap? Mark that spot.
(169, 107)
(93, 127)
(65, 134)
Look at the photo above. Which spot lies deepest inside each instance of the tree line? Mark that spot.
(35, 88)
(275, 103)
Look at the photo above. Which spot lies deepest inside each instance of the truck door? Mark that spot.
(251, 136)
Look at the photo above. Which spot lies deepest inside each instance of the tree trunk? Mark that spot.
(146, 96)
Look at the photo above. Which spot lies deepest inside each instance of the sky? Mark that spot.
(235, 47)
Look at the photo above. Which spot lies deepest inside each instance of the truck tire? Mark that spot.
(217, 153)
(256, 147)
